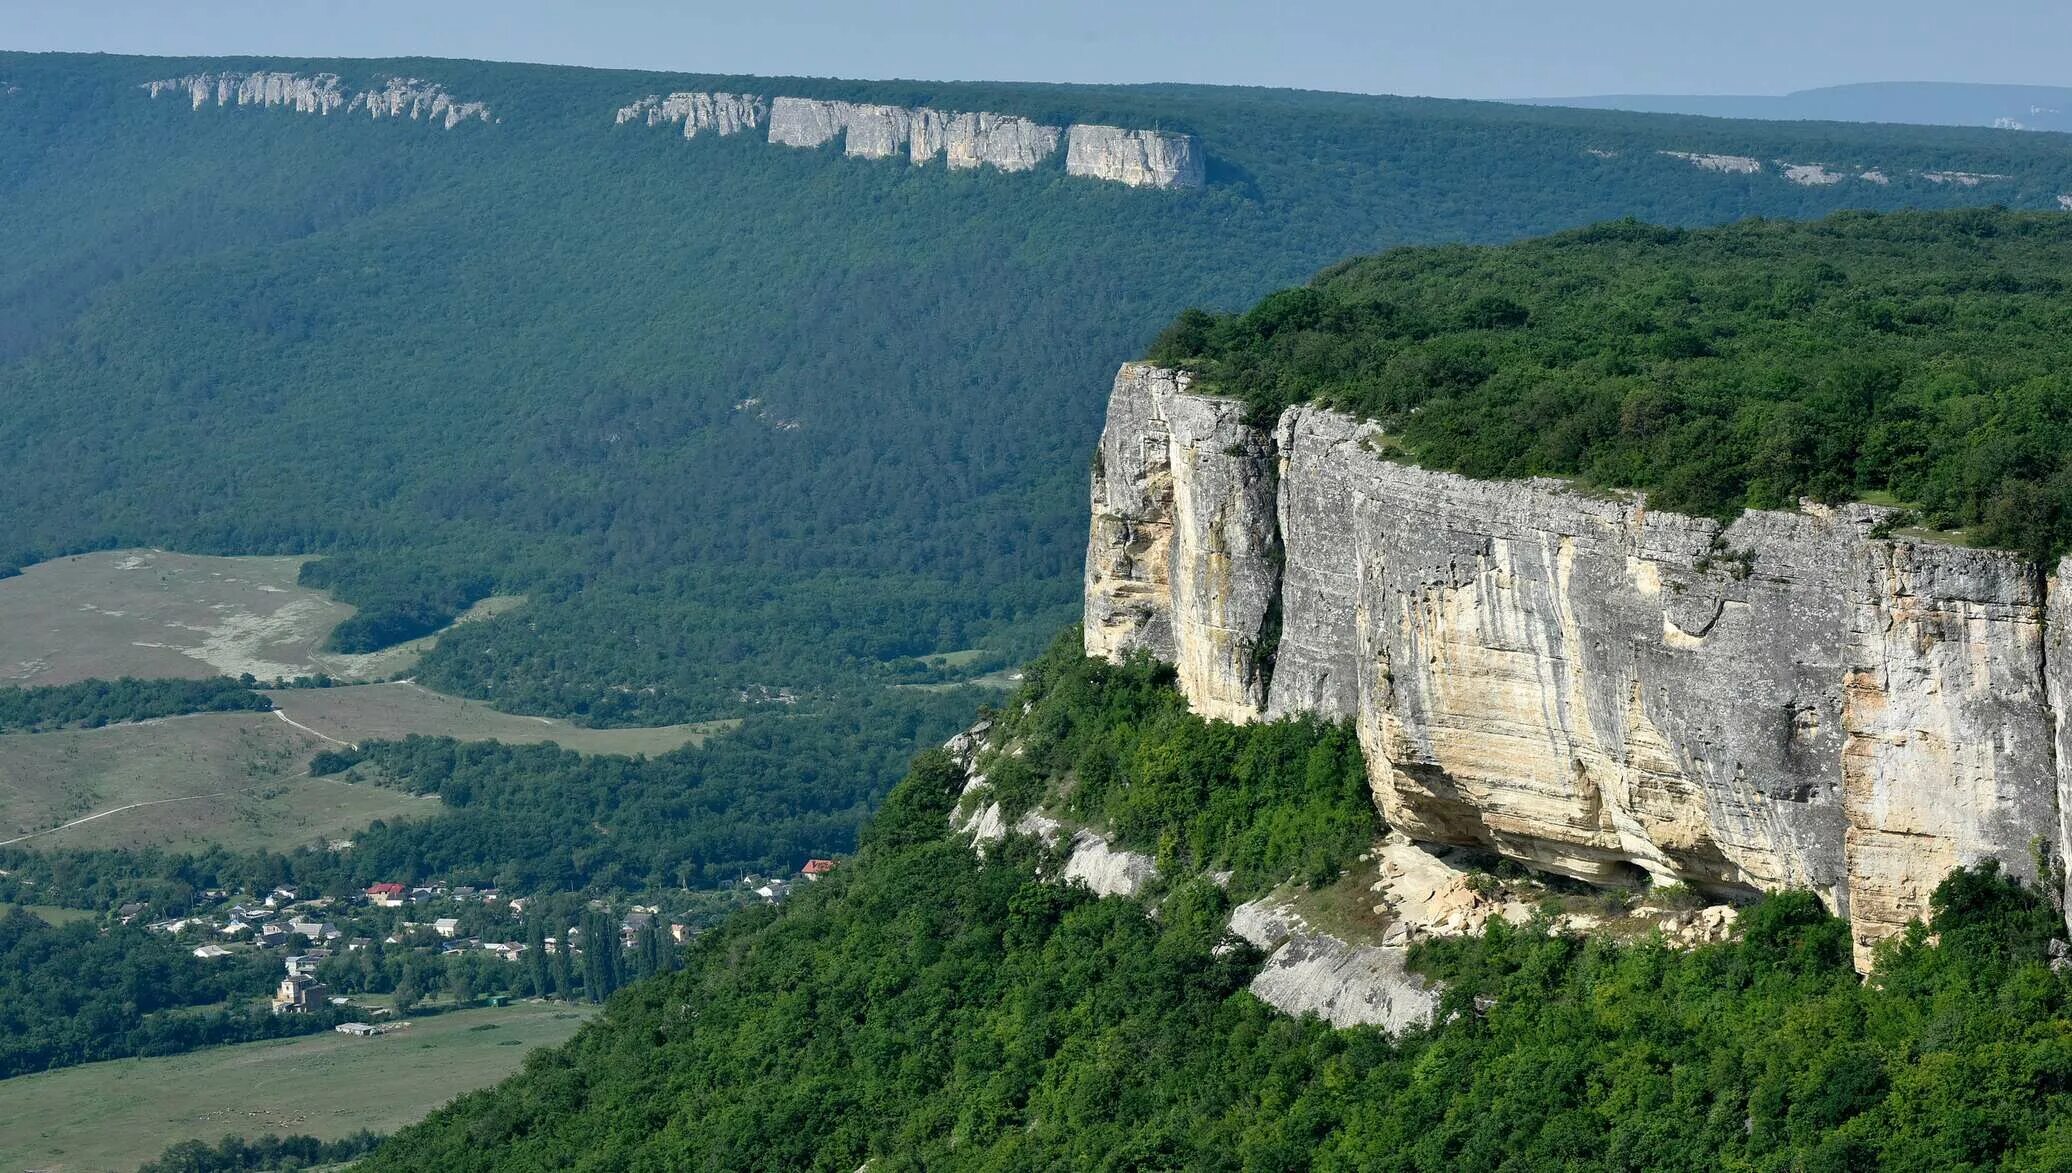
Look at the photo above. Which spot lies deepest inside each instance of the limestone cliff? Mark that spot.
(962, 140)
(1140, 158)
(1582, 683)
(323, 93)
(723, 114)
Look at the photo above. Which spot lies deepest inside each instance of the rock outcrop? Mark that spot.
(1587, 685)
(313, 94)
(723, 114)
(1811, 174)
(962, 140)
(414, 98)
(1725, 164)
(1090, 858)
(1309, 972)
(322, 94)
(1140, 158)
(1184, 546)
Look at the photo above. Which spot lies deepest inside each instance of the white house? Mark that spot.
(446, 926)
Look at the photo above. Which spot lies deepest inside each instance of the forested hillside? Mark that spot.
(1916, 358)
(731, 415)
(926, 1010)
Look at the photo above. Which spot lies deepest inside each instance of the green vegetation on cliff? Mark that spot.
(1921, 357)
(924, 1009)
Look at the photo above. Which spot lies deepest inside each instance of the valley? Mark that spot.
(110, 1117)
(508, 550)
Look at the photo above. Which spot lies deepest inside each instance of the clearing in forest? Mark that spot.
(121, 1113)
(150, 613)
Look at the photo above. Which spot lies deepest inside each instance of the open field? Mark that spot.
(150, 613)
(49, 914)
(386, 711)
(116, 1115)
(236, 779)
(240, 779)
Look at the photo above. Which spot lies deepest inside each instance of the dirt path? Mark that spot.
(116, 811)
(283, 715)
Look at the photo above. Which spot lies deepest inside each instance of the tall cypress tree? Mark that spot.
(536, 957)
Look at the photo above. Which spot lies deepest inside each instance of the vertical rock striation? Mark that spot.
(1581, 683)
(1181, 558)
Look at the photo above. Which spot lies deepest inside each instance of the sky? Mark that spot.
(1446, 48)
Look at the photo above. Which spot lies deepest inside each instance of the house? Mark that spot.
(304, 964)
(516, 906)
(361, 1029)
(211, 952)
(315, 930)
(234, 928)
(447, 926)
(131, 911)
(271, 935)
(386, 895)
(774, 891)
(299, 993)
(285, 895)
(635, 924)
(679, 933)
(816, 868)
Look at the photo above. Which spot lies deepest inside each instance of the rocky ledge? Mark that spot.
(923, 135)
(323, 94)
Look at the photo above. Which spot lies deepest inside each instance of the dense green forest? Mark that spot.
(78, 993)
(1920, 357)
(90, 704)
(925, 1009)
(730, 415)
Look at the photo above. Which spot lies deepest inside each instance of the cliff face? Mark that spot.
(963, 140)
(323, 93)
(723, 114)
(1140, 158)
(1579, 682)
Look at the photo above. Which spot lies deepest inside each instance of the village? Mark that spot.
(395, 947)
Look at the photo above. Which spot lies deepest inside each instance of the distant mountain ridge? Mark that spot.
(2007, 107)
(737, 420)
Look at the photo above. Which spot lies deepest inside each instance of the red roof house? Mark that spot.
(385, 891)
(815, 868)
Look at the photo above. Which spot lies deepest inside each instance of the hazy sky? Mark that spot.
(1456, 48)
